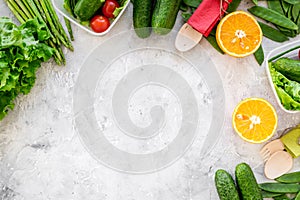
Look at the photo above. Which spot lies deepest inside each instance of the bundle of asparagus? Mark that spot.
(43, 10)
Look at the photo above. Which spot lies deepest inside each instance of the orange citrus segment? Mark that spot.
(238, 34)
(255, 120)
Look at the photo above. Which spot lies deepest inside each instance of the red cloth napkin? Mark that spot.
(207, 15)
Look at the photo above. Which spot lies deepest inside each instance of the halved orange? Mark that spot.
(238, 34)
(255, 120)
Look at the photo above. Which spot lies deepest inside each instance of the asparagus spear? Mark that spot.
(48, 20)
(12, 8)
(44, 11)
(24, 9)
(58, 24)
(69, 27)
(16, 7)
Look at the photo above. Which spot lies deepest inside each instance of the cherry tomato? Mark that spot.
(99, 23)
(109, 8)
(299, 54)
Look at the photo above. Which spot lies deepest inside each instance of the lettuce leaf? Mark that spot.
(287, 101)
(22, 50)
(118, 10)
(287, 90)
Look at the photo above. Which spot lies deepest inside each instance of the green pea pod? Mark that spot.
(285, 6)
(293, 177)
(297, 196)
(276, 6)
(272, 33)
(282, 197)
(292, 1)
(273, 16)
(233, 5)
(296, 12)
(259, 55)
(266, 194)
(296, 15)
(212, 40)
(289, 13)
(280, 187)
(287, 32)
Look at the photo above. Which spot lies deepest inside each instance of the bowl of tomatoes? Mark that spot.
(95, 17)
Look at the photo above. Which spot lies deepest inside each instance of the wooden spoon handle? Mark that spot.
(187, 38)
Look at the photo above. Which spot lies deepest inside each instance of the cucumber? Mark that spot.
(288, 67)
(164, 15)
(85, 9)
(246, 182)
(142, 12)
(225, 186)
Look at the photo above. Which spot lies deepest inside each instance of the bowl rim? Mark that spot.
(76, 22)
(270, 55)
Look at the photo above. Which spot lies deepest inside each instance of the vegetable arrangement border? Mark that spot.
(281, 20)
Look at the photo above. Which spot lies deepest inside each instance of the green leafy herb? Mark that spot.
(259, 55)
(22, 50)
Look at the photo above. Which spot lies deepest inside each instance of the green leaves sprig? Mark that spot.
(22, 50)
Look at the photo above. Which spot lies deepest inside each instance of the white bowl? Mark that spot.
(58, 5)
(275, 52)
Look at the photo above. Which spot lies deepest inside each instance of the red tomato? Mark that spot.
(299, 54)
(99, 23)
(109, 8)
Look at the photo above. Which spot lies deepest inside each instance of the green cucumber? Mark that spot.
(289, 68)
(142, 12)
(85, 9)
(225, 186)
(164, 15)
(247, 183)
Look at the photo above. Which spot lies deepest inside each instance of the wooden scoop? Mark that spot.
(205, 17)
(278, 164)
(187, 38)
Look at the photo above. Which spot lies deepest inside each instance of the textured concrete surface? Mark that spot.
(44, 157)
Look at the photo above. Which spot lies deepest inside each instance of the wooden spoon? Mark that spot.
(278, 164)
(187, 38)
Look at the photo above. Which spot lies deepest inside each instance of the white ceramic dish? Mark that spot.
(58, 5)
(275, 52)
